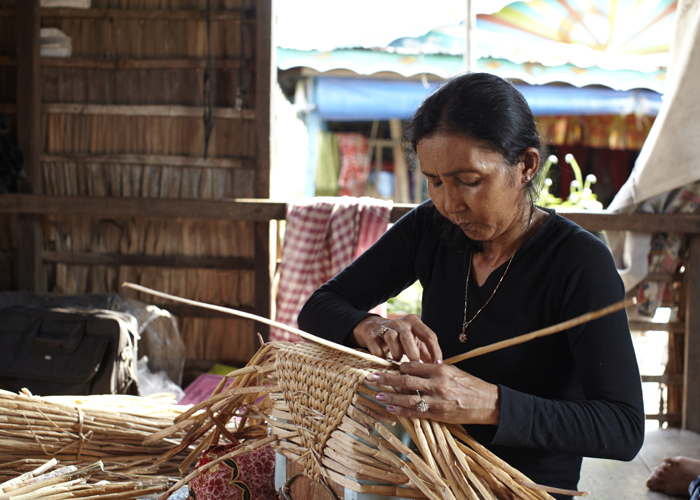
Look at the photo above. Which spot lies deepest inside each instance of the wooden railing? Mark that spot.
(32, 255)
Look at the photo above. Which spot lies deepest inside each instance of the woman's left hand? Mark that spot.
(452, 395)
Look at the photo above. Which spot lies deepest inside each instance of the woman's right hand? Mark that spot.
(407, 335)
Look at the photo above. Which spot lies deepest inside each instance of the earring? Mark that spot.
(527, 178)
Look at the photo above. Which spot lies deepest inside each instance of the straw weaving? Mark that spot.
(321, 415)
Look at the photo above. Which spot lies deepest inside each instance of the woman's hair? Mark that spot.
(485, 107)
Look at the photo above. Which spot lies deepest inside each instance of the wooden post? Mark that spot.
(29, 241)
(265, 77)
(401, 190)
(691, 370)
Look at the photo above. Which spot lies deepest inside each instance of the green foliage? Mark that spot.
(407, 302)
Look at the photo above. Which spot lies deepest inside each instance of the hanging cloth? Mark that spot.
(322, 236)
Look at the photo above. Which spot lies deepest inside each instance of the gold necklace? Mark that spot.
(465, 324)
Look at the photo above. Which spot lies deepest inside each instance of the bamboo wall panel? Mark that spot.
(205, 338)
(145, 181)
(125, 37)
(136, 55)
(140, 86)
(63, 133)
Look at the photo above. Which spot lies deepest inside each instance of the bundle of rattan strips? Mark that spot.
(321, 415)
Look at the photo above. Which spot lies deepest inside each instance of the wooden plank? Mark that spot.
(29, 92)
(691, 366)
(131, 64)
(29, 244)
(176, 261)
(135, 64)
(29, 239)
(144, 208)
(134, 110)
(255, 209)
(138, 159)
(265, 77)
(164, 14)
(648, 326)
(144, 110)
(401, 188)
(666, 378)
(665, 277)
(598, 221)
(672, 418)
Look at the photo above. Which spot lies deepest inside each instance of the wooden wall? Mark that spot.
(123, 118)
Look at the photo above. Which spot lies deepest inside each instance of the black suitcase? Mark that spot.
(67, 351)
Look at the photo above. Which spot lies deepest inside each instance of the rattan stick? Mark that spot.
(422, 465)
(260, 319)
(469, 475)
(447, 457)
(560, 327)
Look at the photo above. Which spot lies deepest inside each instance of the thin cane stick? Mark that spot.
(565, 325)
(260, 319)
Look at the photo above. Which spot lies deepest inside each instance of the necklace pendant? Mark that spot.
(463, 337)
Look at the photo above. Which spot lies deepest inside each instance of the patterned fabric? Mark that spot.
(666, 253)
(354, 163)
(595, 131)
(322, 236)
(250, 476)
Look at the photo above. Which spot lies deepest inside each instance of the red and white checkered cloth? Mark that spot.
(322, 236)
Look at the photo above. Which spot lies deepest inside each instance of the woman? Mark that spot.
(494, 266)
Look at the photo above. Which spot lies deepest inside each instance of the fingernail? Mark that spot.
(439, 361)
(375, 376)
(390, 408)
(381, 397)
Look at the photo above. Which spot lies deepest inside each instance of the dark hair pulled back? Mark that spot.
(485, 107)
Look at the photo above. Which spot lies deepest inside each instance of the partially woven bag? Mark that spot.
(321, 415)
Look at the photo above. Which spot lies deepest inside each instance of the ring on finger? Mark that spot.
(421, 405)
(382, 331)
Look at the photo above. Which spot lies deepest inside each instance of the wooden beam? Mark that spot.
(665, 277)
(691, 365)
(131, 64)
(29, 92)
(598, 221)
(265, 210)
(666, 378)
(164, 14)
(29, 243)
(144, 208)
(176, 261)
(265, 75)
(144, 110)
(29, 239)
(672, 418)
(139, 159)
(648, 326)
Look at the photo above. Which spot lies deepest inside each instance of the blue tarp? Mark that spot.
(360, 99)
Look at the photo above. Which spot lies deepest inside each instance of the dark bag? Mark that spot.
(67, 351)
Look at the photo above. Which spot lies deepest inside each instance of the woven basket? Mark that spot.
(322, 415)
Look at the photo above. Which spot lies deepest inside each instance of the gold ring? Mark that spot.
(382, 331)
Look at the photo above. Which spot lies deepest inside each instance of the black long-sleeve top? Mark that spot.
(562, 397)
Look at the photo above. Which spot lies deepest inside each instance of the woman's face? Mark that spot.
(473, 187)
